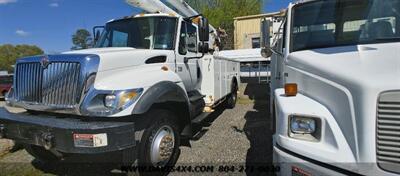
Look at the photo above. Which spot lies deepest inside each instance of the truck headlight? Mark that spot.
(122, 99)
(105, 103)
(302, 125)
(110, 101)
(305, 127)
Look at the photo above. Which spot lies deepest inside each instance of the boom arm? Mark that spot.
(185, 10)
(152, 6)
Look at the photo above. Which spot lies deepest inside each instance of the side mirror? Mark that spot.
(204, 48)
(204, 30)
(97, 33)
(266, 52)
(266, 38)
(96, 36)
(182, 50)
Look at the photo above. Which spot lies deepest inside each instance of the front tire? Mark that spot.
(159, 144)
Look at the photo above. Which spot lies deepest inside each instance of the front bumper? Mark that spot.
(60, 133)
(293, 164)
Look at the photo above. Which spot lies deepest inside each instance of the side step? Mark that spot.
(201, 117)
(195, 96)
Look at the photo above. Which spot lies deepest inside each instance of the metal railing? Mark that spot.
(258, 70)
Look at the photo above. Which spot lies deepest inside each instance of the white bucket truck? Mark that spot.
(138, 92)
(335, 88)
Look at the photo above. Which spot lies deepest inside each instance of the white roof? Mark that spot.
(243, 55)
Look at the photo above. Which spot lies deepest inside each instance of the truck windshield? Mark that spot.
(141, 33)
(321, 24)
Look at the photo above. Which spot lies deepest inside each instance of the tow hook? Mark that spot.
(2, 131)
(48, 140)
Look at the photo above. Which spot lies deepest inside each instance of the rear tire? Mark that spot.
(159, 144)
(41, 154)
(232, 97)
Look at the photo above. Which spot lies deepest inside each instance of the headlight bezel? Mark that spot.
(313, 136)
(94, 104)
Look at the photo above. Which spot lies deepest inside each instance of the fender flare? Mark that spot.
(162, 92)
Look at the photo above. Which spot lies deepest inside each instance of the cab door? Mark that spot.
(187, 69)
(277, 60)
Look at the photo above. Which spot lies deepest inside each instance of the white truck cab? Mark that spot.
(138, 92)
(335, 88)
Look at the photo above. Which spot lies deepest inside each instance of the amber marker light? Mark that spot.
(291, 89)
(164, 68)
(126, 97)
(196, 20)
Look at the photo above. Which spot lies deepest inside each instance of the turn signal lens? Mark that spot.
(126, 97)
(164, 68)
(291, 89)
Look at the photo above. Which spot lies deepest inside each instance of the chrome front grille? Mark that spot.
(388, 131)
(57, 85)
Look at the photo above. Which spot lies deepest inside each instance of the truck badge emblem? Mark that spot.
(45, 62)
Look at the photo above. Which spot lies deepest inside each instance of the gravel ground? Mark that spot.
(238, 137)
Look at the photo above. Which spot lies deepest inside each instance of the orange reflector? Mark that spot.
(164, 68)
(291, 89)
(196, 20)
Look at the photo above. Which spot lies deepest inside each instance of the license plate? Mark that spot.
(90, 140)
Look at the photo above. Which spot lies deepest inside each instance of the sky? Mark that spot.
(50, 24)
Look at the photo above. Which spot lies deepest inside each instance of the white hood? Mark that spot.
(114, 58)
(348, 82)
(374, 65)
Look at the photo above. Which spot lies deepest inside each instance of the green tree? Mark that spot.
(221, 13)
(81, 39)
(10, 53)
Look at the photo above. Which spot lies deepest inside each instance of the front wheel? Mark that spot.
(159, 145)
